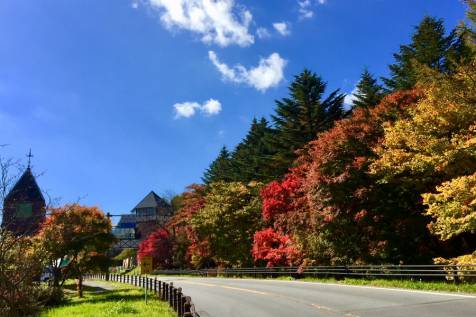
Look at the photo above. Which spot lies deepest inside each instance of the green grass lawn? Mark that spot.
(438, 286)
(123, 301)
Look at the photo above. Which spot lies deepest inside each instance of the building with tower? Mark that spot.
(24, 207)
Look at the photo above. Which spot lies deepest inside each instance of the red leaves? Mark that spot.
(280, 197)
(273, 248)
(159, 247)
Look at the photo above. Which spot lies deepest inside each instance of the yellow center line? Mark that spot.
(316, 306)
(228, 287)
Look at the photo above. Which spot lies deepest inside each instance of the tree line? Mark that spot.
(388, 180)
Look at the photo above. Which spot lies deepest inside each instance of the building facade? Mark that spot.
(149, 214)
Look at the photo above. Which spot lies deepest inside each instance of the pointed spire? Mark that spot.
(29, 159)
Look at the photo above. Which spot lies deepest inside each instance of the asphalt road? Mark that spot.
(219, 297)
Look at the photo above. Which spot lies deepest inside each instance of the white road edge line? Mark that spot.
(357, 286)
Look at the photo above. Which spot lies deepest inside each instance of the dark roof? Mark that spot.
(152, 200)
(26, 185)
(127, 221)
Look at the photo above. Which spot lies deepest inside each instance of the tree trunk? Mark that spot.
(79, 286)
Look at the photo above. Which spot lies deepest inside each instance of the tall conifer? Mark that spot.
(430, 47)
(369, 92)
(300, 117)
(250, 158)
(220, 169)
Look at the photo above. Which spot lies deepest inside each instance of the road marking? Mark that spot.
(367, 287)
(228, 287)
(316, 306)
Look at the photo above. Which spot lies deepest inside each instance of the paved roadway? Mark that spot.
(219, 297)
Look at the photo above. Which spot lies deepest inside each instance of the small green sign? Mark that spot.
(24, 210)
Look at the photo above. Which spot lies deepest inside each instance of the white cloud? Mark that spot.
(268, 73)
(262, 33)
(282, 28)
(188, 109)
(211, 107)
(135, 5)
(350, 98)
(216, 21)
(305, 8)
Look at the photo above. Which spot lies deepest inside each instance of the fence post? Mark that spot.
(179, 302)
(175, 299)
(171, 297)
(187, 307)
(155, 285)
(161, 294)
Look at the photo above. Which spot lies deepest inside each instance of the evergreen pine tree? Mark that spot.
(250, 158)
(429, 47)
(369, 92)
(220, 169)
(299, 118)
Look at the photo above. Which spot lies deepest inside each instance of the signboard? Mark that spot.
(146, 265)
(24, 210)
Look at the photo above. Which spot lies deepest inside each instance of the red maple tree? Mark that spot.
(274, 248)
(157, 245)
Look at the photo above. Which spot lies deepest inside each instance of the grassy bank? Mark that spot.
(122, 301)
(406, 284)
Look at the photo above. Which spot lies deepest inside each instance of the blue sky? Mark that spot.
(120, 97)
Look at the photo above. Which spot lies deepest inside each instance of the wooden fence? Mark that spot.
(164, 291)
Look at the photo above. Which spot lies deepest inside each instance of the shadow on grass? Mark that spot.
(119, 295)
(86, 288)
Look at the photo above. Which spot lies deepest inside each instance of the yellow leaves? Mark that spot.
(453, 208)
(438, 135)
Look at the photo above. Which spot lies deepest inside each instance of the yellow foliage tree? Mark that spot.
(434, 147)
(453, 208)
(437, 141)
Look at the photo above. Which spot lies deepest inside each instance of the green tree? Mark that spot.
(300, 117)
(429, 47)
(230, 217)
(251, 156)
(220, 169)
(369, 92)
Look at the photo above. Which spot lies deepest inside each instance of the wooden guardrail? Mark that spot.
(180, 303)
